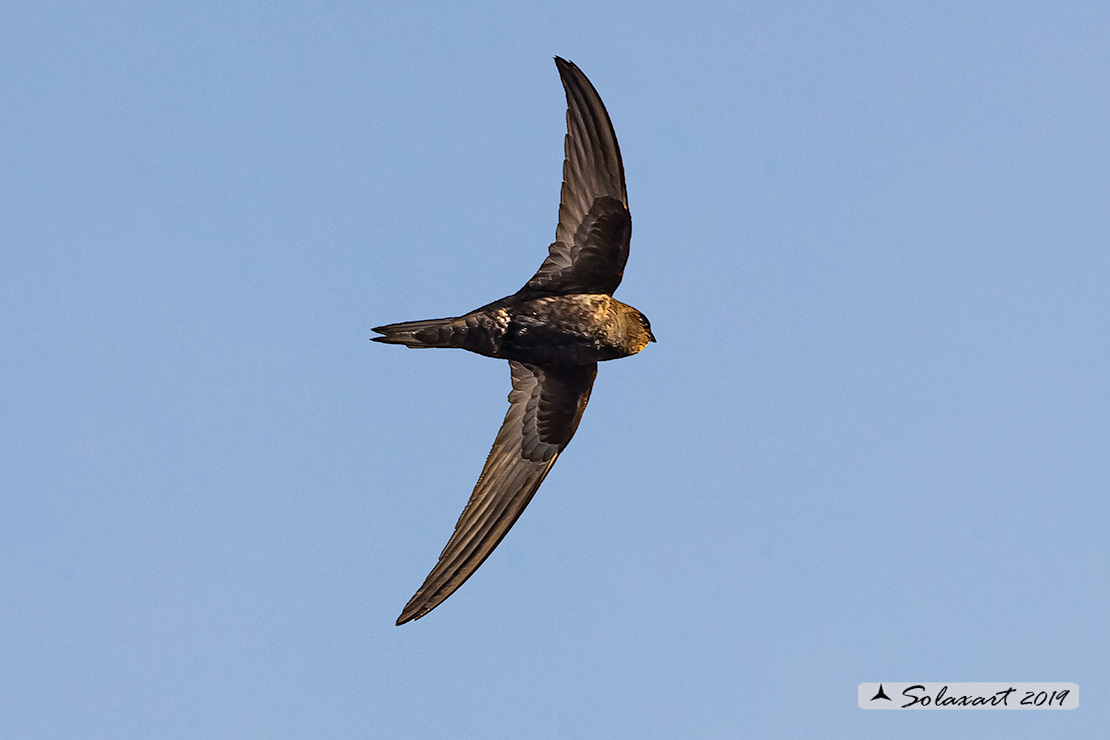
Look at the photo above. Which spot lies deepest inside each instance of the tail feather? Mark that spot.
(426, 333)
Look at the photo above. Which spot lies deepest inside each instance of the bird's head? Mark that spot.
(637, 330)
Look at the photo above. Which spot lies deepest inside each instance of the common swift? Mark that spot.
(553, 332)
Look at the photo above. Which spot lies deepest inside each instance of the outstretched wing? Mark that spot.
(545, 406)
(591, 240)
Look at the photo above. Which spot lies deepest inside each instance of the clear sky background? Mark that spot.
(872, 442)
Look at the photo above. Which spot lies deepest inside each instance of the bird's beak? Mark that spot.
(651, 337)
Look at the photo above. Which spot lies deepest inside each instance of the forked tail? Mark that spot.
(427, 333)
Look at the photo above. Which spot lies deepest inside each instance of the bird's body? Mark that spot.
(556, 330)
(553, 331)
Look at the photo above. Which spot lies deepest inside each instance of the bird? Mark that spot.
(553, 332)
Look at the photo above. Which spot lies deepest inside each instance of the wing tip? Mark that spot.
(411, 611)
(419, 605)
(565, 65)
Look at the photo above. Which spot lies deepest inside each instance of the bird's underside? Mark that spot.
(553, 331)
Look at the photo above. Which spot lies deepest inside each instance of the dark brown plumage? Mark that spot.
(553, 332)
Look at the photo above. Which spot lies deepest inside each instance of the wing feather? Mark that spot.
(594, 230)
(545, 406)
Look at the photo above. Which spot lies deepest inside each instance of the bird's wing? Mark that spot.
(545, 406)
(591, 240)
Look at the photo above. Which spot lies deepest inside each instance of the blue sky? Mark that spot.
(871, 444)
